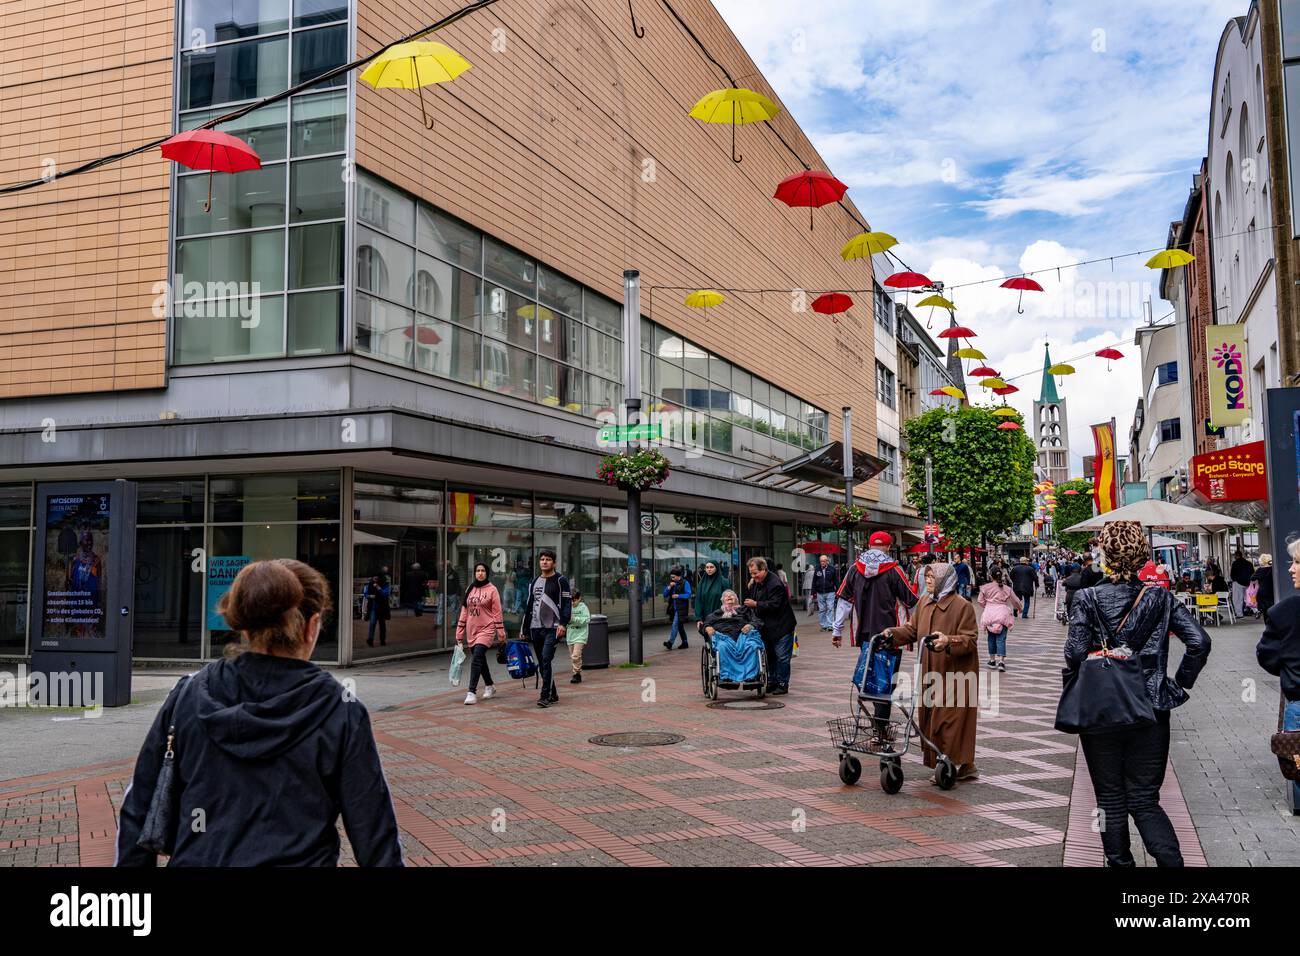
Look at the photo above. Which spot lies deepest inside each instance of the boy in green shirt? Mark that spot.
(576, 635)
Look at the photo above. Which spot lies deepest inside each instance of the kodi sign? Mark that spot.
(1225, 349)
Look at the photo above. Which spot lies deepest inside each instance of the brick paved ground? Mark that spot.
(504, 783)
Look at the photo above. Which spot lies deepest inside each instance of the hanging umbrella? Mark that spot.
(1006, 411)
(983, 372)
(1009, 427)
(970, 354)
(413, 66)
(1109, 354)
(734, 106)
(1022, 285)
(810, 188)
(935, 302)
(1061, 370)
(867, 244)
(705, 299)
(211, 150)
(908, 280)
(940, 391)
(424, 335)
(952, 391)
(1070, 491)
(957, 332)
(993, 383)
(1006, 390)
(832, 303)
(1170, 259)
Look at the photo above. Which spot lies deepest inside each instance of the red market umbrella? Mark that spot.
(211, 150)
(1109, 355)
(810, 188)
(908, 280)
(957, 332)
(821, 547)
(1022, 285)
(832, 304)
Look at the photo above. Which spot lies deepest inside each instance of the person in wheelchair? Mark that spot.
(733, 633)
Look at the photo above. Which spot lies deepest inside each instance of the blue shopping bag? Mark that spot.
(875, 672)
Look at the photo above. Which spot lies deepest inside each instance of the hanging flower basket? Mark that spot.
(846, 516)
(635, 472)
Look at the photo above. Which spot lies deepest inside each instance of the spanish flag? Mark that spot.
(1105, 494)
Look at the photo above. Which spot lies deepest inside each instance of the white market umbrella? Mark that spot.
(605, 551)
(1157, 515)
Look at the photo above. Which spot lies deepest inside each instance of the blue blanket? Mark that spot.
(738, 656)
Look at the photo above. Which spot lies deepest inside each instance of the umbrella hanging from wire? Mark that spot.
(969, 353)
(1005, 411)
(810, 188)
(211, 150)
(833, 303)
(736, 106)
(1109, 355)
(908, 280)
(1170, 259)
(1061, 370)
(705, 299)
(867, 244)
(935, 302)
(1022, 285)
(413, 66)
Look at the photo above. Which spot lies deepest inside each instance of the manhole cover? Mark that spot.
(636, 739)
(747, 705)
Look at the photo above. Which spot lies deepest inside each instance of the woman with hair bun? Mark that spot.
(268, 749)
(1121, 618)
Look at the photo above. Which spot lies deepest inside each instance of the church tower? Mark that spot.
(1051, 428)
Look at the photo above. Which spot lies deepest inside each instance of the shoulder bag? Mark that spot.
(1105, 692)
(158, 832)
(1286, 746)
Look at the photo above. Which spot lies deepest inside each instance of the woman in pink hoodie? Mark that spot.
(480, 622)
(1000, 606)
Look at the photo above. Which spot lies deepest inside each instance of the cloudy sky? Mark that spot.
(1000, 138)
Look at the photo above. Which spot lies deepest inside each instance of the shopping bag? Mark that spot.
(875, 672)
(1252, 596)
(457, 659)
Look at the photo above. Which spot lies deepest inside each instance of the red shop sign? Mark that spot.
(1236, 474)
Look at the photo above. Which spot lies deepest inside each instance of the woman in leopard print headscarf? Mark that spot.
(1127, 764)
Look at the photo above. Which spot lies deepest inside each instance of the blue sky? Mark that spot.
(998, 138)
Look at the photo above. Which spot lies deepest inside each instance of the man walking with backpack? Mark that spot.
(546, 616)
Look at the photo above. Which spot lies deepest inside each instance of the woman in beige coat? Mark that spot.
(948, 698)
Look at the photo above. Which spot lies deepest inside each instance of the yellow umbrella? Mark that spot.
(953, 391)
(705, 299)
(1006, 411)
(867, 244)
(937, 301)
(1061, 369)
(534, 313)
(1170, 259)
(971, 354)
(734, 106)
(992, 383)
(414, 65)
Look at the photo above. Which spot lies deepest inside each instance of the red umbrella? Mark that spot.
(908, 280)
(1109, 354)
(1024, 285)
(211, 150)
(1009, 427)
(821, 547)
(832, 303)
(424, 335)
(1071, 491)
(983, 372)
(957, 332)
(1009, 390)
(810, 188)
(938, 391)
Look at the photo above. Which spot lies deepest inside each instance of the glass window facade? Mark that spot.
(271, 232)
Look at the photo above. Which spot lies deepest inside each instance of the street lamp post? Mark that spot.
(929, 500)
(848, 482)
(632, 403)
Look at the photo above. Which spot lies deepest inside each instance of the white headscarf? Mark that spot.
(945, 580)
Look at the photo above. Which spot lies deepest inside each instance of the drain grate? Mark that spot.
(746, 705)
(636, 739)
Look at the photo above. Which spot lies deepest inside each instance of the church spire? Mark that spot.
(1049, 396)
(954, 363)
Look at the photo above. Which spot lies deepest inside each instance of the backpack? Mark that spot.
(519, 660)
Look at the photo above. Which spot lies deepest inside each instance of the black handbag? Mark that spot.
(1105, 693)
(158, 832)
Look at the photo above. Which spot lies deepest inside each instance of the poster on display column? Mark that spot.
(77, 530)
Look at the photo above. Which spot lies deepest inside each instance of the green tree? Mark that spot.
(983, 477)
(1070, 510)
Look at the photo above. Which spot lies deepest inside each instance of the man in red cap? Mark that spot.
(878, 590)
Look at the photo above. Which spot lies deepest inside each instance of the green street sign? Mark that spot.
(625, 433)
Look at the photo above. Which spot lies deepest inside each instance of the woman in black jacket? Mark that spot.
(1127, 766)
(269, 749)
(1278, 651)
(1263, 576)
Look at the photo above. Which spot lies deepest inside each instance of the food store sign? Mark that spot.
(1236, 474)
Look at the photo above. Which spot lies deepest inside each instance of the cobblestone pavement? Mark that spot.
(505, 783)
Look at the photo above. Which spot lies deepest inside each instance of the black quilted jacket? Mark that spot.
(1097, 612)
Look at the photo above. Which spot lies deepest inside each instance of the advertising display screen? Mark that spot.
(77, 529)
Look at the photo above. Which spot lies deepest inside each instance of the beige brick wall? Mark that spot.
(543, 144)
(79, 257)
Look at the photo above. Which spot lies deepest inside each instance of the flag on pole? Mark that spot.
(1105, 494)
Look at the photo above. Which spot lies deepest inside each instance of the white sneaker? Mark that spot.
(490, 692)
(471, 699)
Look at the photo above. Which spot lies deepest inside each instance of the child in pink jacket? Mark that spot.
(480, 623)
(1000, 605)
